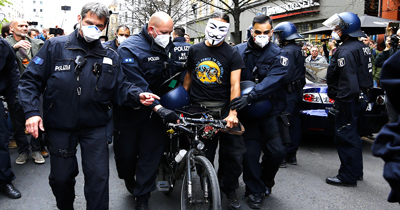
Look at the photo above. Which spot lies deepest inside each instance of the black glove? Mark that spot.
(168, 115)
(332, 114)
(241, 102)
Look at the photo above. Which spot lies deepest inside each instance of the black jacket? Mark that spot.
(9, 74)
(349, 72)
(145, 63)
(69, 101)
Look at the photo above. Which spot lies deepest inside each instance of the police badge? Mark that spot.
(284, 61)
(341, 62)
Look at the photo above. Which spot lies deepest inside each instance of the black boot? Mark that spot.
(9, 189)
(255, 200)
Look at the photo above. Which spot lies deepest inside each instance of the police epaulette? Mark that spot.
(110, 48)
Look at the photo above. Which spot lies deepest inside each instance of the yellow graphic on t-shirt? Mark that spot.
(208, 72)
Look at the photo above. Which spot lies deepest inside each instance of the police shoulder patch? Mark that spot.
(128, 60)
(284, 61)
(341, 62)
(37, 60)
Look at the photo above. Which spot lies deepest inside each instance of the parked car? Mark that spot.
(316, 103)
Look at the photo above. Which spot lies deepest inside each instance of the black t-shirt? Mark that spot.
(211, 75)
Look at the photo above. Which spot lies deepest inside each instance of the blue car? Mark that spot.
(316, 103)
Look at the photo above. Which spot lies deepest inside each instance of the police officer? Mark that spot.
(140, 135)
(181, 50)
(294, 81)
(266, 65)
(121, 35)
(349, 76)
(387, 143)
(78, 78)
(9, 78)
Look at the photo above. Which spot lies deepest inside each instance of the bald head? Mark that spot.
(19, 28)
(159, 19)
(160, 23)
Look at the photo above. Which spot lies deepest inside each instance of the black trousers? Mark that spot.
(231, 150)
(293, 101)
(139, 141)
(348, 142)
(18, 126)
(6, 174)
(64, 169)
(261, 136)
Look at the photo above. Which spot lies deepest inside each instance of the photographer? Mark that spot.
(392, 45)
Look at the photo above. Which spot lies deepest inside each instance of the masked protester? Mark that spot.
(121, 35)
(78, 79)
(266, 67)
(145, 59)
(293, 82)
(213, 79)
(349, 76)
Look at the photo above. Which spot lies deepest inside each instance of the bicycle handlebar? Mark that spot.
(185, 121)
(202, 120)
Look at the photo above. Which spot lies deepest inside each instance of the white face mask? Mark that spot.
(261, 40)
(216, 31)
(162, 40)
(91, 33)
(120, 39)
(335, 36)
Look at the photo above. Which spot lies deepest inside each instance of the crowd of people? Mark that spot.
(78, 90)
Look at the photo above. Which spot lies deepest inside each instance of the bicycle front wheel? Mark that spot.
(205, 192)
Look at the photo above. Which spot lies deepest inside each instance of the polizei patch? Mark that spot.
(284, 61)
(341, 62)
(62, 68)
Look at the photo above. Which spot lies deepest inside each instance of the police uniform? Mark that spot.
(180, 55)
(140, 135)
(387, 143)
(76, 98)
(349, 76)
(110, 126)
(9, 78)
(262, 134)
(294, 82)
(112, 44)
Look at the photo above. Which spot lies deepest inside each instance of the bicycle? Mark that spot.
(200, 187)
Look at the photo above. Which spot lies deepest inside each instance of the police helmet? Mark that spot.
(348, 22)
(256, 109)
(286, 31)
(175, 98)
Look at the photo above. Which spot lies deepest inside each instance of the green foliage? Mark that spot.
(3, 3)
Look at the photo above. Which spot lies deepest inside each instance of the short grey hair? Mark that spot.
(100, 10)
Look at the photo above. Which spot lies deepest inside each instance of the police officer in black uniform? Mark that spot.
(181, 50)
(121, 35)
(387, 143)
(349, 76)
(140, 135)
(266, 65)
(9, 78)
(79, 79)
(286, 33)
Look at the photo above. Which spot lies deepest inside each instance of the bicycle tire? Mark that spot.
(203, 168)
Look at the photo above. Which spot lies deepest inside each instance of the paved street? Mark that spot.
(297, 187)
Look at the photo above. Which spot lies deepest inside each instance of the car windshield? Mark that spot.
(316, 72)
